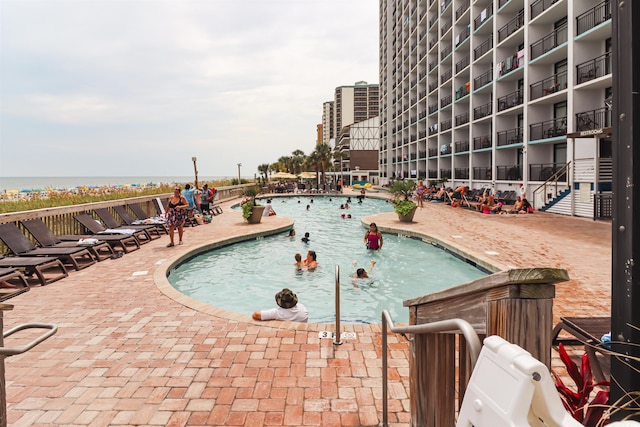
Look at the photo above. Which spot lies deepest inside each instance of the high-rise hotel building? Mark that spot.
(498, 94)
(354, 104)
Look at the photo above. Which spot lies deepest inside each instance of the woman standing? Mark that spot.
(373, 238)
(176, 214)
(420, 191)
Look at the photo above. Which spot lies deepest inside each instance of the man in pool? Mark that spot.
(288, 309)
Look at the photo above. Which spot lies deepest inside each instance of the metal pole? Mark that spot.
(195, 169)
(239, 164)
(337, 338)
(625, 283)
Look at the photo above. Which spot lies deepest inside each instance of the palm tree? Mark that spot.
(286, 162)
(297, 161)
(264, 170)
(324, 159)
(313, 162)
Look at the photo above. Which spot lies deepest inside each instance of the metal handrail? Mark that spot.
(464, 327)
(553, 178)
(6, 352)
(336, 338)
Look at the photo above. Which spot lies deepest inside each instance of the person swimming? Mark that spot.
(306, 238)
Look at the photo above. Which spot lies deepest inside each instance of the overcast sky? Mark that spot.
(137, 88)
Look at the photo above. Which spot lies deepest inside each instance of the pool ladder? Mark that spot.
(337, 339)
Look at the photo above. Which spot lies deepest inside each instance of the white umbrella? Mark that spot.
(307, 175)
(283, 175)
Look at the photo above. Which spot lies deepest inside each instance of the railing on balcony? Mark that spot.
(433, 108)
(462, 119)
(550, 85)
(482, 172)
(594, 68)
(463, 90)
(480, 142)
(550, 41)
(483, 79)
(422, 155)
(445, 125)
(463, 63)
(483, 48)
(548, 129)
(461, 146)
(433, 152)
(445, 149)
(539, 6)
(444, 77)
(510, 100)
(486, 13)
(594, 119)
(446, 26)
(509, 137)
(464, 34)
(445, 52)
(446, 101)
(544, 171)
(444, 5)
(461, 173)
(509, 173)
(432, 65)
(511, 26)
(594, 17)
(445, 173)
(462, 9)
(433, 129)
(433, 86)
(433, 42)
(482, 111)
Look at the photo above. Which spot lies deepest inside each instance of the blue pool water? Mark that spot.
(244, 277)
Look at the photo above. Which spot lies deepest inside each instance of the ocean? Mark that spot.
(62, 182)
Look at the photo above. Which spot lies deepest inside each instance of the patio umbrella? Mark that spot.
(307, 175)
(283, 175)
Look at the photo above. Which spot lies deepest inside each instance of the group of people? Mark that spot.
(181, 205)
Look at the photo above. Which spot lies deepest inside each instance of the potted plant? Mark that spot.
(251, 210)
(404, 207)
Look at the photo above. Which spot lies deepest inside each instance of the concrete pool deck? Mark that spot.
(127, 354)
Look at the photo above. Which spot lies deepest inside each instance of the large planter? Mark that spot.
(408, 217)
(256, 215)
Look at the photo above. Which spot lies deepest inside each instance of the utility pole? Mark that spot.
(195, 169)
(625, 283)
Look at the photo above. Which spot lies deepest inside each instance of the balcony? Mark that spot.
(446, 26)
(483, 79)
(549, 42)
(446, 76)
(511, 100)
(594, 68)
(433, 129)
(433, 86)
(548, 129)
(433, 152)
(461, 173)
(445, 173)
(509, 173)
(481, 142)
(462, 9)
(542, 172)
(462, 119)
(445, 125)
(483, 17)
(446, 101)
(550, 85)
(511, 26)
(594, 119)
(482, 173)
(461, 146)
(445, 52)
(464, 34)
(594, 17)
(509, 137)
(462, 64)
(539, 6)
(482, 111)
(463, 91)
(433, 108)
(484, 47)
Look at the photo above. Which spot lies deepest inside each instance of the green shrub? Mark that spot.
(404, 207)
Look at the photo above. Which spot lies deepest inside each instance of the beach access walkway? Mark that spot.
(128, 354)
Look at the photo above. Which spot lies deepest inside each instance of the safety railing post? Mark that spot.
(337, 340)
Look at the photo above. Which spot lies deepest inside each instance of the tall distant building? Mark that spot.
(500, 95)
(353, 104)
(327, 122)
(319, 134)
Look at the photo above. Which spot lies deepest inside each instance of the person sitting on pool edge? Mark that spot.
(288, 309)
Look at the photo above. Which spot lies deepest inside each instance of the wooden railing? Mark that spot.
(516, 305)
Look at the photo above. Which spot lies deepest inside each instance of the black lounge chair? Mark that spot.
(96, 227)
(129, 220)
(112, 223)
(13, 274)
(41, 266)
(118, 241)
(21, 246)
(45, 238)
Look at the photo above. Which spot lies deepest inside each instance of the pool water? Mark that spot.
(244, 277)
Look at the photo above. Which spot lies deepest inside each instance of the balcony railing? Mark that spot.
(483, 48)
(548, 86)
(446, 26)
(594, 119)
(445, 149)
(432, 65)
(462, 9)
(445, 173)
(444, 5)
(597, 67)
(539, 6)
(461, 173)
(548, 129)
(462, 64)
(433, 108)
(486, 13)
(509, 137)
(462, 119)
(482, 172)
(433, 86)
(445, 52)
(511, 26)
(510, 100)
(544, 171)
(445, 76)
(461, 146)
(594, 17)
(464, 34)
(483, 79)
(446, 101)
(509, 173)
(445, 125)
(433, 152)
(550, 41)
(480, 142)
(482, 111)
(463, 90)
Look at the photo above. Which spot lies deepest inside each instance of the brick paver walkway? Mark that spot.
(130, 351)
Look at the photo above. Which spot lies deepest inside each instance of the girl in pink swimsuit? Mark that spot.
(373, 238)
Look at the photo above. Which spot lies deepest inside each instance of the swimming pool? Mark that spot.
(244, 277)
